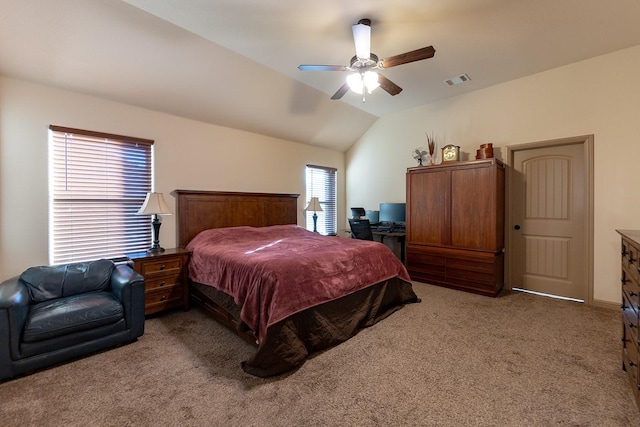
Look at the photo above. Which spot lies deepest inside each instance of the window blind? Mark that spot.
(97, 184)
(321, 183)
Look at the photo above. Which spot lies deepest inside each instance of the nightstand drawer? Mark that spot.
(163, 295)
(163, 299)
(163, 282)
(172, 265)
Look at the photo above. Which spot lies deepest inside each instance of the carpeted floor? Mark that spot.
(455, 359)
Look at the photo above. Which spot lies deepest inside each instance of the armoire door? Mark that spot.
(429, 200)
(477, 208)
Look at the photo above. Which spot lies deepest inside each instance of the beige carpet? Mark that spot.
(454, 359)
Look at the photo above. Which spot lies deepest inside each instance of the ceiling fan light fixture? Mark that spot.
(370, 80)
(362, 39)
(358, 81)
(355, 83)
(362, 65)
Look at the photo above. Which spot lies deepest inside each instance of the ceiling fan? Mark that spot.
(364, 77)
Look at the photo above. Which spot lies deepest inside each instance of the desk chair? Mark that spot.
(360, 229)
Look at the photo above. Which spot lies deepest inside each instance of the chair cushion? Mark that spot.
(66, 315)
(49, 282)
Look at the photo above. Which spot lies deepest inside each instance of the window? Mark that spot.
(97, 183)
(321, 183)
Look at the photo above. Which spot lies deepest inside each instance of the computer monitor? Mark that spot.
(373, 217)
(357, 213)
(393, 213)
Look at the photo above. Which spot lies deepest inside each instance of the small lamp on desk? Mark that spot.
(155, 205)
(314, 206)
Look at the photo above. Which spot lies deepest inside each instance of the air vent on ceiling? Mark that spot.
(457, 79)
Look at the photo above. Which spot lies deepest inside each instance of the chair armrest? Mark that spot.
(14, 309)
(128, 287)
(13, 293)
(123, 276)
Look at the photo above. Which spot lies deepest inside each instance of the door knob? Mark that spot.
(517, 227)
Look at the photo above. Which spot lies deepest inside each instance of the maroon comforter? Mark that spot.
(275, 272)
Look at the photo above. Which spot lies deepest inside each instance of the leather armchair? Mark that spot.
(52, 314)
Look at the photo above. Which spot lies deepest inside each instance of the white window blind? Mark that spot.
(321, 183)
(97, 184)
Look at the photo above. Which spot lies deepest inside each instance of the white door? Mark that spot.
(549, 201)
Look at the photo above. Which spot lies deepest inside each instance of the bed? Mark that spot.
(289, 291)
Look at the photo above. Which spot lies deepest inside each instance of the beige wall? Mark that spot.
(188, 155)
(599, 96)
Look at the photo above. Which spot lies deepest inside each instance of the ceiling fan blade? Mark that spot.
(305, 67)
(388, 85)
(404, 58)
(362, 38)
(340, 93)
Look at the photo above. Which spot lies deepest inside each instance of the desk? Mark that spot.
(395, 234)
(398, 235)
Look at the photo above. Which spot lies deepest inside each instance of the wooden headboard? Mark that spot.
(199, 210)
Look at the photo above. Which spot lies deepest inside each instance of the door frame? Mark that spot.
(587, 145)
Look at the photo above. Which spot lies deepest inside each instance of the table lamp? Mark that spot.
(155, 205)
(314, 206)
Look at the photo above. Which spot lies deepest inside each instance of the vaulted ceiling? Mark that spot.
(234, 63)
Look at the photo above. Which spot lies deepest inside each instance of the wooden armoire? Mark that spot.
(455, 225)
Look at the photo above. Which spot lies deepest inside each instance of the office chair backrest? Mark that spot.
(361, 229)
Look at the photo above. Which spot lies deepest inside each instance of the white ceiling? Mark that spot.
(234, 62)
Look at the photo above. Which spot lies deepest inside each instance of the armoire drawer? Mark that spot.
(474, 271)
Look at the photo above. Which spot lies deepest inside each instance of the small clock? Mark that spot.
(450, 153)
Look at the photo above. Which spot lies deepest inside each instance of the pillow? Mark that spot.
(44, 282)
(49, 282)
(87, 277)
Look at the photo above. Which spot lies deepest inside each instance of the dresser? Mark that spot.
(165, 275)
(455, 225)
(630, 279)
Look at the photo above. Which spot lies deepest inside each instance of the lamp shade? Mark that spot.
(154, 204)
(314, 205)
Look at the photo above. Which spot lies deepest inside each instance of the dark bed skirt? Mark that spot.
(288, 343)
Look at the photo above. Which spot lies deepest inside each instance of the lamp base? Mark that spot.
(155, 225)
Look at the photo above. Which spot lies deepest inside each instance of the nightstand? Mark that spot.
(165, 276)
